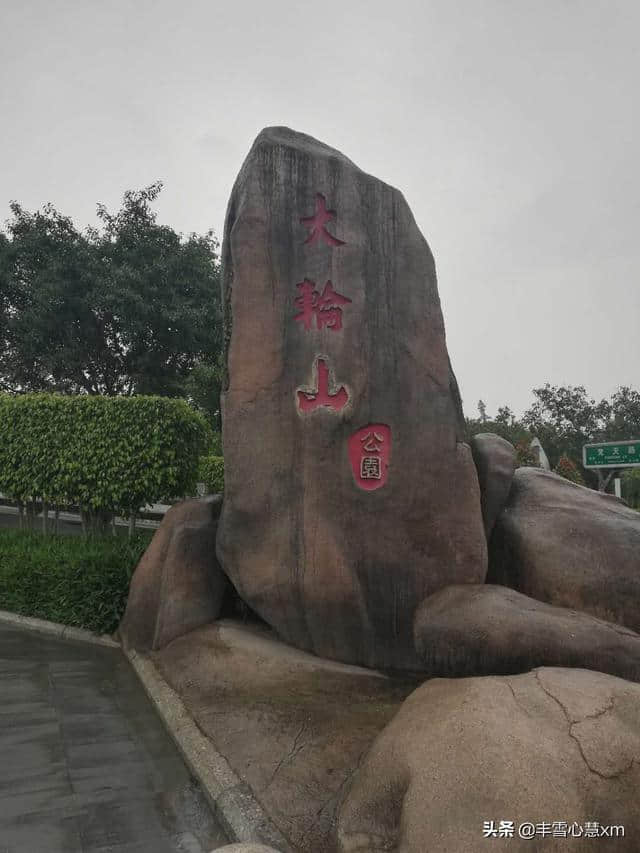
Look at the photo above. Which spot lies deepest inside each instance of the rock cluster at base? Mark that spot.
(551, 745)
(178, 585)
(569, 546)
(495, 461)
(291, 725)
(491, 630)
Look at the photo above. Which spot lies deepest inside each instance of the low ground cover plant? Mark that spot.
(68, 579)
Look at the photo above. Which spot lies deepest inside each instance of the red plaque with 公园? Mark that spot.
(369, 454)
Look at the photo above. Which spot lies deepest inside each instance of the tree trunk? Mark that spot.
(132, 524)
(45, 516)
(56, 521)
(604, 480)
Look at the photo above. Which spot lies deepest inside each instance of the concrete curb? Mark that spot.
(54, 629)
(230, 799)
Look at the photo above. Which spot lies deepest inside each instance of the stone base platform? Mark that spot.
(294, 727)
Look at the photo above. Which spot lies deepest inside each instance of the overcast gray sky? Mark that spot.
(511, 126)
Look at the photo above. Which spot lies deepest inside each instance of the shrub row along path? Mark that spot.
(86, 766)
(68, 523)
(10, 519)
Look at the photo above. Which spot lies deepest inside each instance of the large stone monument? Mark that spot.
(355, 522)
(349, 493)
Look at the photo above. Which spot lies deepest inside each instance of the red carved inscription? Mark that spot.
(318, 222)
(321, 395)
(325, 306)
(369, 454)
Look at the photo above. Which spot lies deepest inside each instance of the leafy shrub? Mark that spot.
(525, 457)
(212, 473)
(77, 581)
(103, 454)
(568, 469)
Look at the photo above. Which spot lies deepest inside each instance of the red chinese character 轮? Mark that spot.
(325, 306)
(317, 224)
(321, 396)
(369, 454)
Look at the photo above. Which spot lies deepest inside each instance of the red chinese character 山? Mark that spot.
(325, 306)
(318, 222)
(321, 396)
(369, 453)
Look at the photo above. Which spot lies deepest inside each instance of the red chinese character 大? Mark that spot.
(308, 400)
(318, 222)
(325, 306)
(369, 453)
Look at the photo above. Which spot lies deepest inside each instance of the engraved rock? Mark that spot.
(349, 493)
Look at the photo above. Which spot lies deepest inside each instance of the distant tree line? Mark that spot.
(564, 418)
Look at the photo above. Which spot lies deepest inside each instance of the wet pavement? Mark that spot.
(85, 763)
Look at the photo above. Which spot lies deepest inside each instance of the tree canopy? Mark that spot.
(128, 307)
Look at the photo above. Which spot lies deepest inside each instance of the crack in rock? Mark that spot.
(571, 723)
(293, 752)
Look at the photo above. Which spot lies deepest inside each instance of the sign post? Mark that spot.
(611, 456)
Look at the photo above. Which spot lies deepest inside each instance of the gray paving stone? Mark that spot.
(93, 728)
(22, 780)
(85, 764)
(52, 835)
(47, 802)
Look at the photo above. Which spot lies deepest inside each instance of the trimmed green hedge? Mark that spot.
(103, 454)
(77, 581)
(212, 473)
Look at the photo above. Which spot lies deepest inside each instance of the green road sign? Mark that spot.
(612, 454)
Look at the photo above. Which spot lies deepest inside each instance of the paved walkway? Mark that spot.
(85, 763)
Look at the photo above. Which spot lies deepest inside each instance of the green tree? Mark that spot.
(203, 388)
(624, 421)
(504, 424)
(565, 418)
(129, 307)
